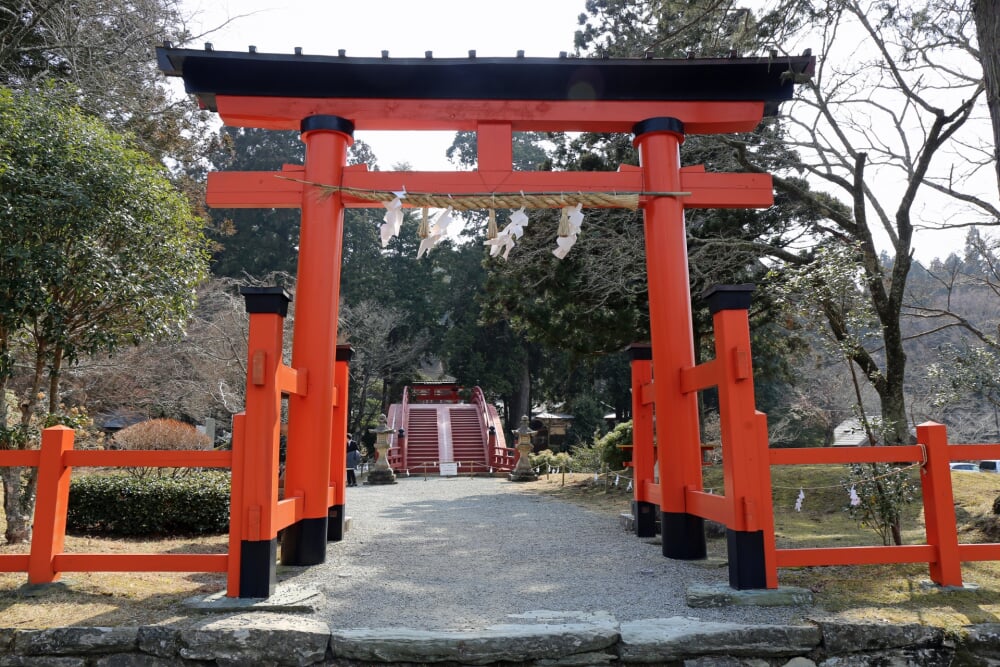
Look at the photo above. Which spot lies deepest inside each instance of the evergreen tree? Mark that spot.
(254, 241)
(98, 251)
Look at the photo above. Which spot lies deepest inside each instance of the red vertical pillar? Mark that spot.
(338, 456)
(255, 445)
(939, 505)
(742, 468)
(317, 295)
(643, 461)
(671, 331)
(48, 535)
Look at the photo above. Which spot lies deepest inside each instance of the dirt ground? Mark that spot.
(890, 592)
(143, 598)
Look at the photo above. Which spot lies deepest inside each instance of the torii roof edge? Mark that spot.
(209, 73)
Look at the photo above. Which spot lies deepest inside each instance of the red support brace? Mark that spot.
(744, 456)
(338, 455)
(645, 501)
(256, 438)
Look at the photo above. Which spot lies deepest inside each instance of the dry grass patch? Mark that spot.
(108, 598)
(895, 593)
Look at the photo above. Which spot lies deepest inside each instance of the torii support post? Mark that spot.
(338, 456)
(314, 343)
(256, 436)
(745, 463)
(670, 323)
(643, 447)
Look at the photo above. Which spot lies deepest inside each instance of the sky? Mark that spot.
(404, 28)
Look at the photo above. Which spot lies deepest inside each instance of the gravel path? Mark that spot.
(466, 553)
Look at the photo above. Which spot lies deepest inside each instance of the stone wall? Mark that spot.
(263, 639)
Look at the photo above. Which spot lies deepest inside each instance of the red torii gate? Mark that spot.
(327, 98)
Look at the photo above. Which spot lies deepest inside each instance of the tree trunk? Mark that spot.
(19, 485)
(5, 373)
(18, 519)
(521, 400)
(897, 533)
(896, 429)
(360, 416)
(31, 399)
(987, 13)
(54, 368)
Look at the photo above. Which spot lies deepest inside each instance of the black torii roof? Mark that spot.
(208, 73)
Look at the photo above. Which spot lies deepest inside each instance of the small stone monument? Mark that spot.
(381, 473)
(522, 472)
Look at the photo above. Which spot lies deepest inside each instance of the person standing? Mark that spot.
(353, 461)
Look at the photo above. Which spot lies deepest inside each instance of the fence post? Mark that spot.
(939, 505)
(48, 535)
(740, 431)
(643, 460)
(338, 457)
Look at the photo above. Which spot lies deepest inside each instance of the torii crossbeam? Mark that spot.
(327, 98)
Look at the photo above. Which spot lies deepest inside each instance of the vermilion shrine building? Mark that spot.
(658, 101)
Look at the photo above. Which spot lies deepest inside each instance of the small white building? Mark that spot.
(850, 433)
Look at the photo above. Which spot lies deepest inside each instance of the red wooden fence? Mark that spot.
(746, 506)
(941, 551)
(258, 509)
(55, 461)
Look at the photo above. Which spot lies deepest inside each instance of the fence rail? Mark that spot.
(464, 468)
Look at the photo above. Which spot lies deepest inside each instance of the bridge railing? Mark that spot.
(397, 450)
(497, 454)
(483, 417)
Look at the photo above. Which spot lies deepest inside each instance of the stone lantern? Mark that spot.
(522, 472)
(381, 473)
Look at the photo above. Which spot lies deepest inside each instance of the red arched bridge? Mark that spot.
(440, 424)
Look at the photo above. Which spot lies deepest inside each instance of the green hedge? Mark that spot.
(128, 506)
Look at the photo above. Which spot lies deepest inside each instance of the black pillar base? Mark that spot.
(746, 559)
(335, 524)
(644, 515)
(304, 542)
(683, 536)
(258, 573)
